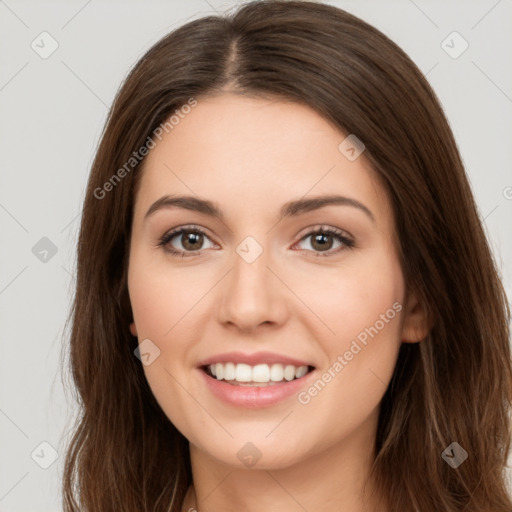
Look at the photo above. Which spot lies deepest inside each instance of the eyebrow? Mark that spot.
(290, 209)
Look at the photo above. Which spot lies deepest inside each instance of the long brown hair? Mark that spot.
(454, 386)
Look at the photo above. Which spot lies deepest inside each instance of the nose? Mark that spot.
(253, 294)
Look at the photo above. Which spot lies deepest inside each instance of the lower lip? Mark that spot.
(253, 396)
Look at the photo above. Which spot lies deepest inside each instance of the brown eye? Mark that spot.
(191, 240)
(321, 242)
(323, 239)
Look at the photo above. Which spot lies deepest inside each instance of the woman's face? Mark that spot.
(265, 292)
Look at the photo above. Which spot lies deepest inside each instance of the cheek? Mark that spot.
(152, 307)
(160, 302)
(159, 312)
(158, 297)
(360, 307)
(168, 307)
(355, 296)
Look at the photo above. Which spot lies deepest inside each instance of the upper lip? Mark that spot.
(253, 359)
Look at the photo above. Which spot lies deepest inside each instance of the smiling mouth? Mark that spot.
(258, 375)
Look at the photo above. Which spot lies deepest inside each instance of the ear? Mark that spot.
(416, 326)
(133, 329)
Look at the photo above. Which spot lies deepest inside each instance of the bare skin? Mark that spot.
(250, 156)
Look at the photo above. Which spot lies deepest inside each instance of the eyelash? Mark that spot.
(164, 240)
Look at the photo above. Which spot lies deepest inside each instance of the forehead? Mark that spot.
(247, 154)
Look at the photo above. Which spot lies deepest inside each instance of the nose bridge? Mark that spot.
(251, 294)
(250, 264)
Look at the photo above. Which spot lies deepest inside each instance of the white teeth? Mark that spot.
(260, 373)
(229, 371)
(276, 373)
(243, 373)
(301, 371)
(289, 372)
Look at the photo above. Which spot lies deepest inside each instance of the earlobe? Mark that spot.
(416, 326)
(133, 329)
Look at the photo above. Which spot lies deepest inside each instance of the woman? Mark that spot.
(285, 298)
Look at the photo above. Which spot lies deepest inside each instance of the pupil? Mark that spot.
(320, 239)
(191, 239)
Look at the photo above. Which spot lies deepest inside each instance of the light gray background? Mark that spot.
(53, 111)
